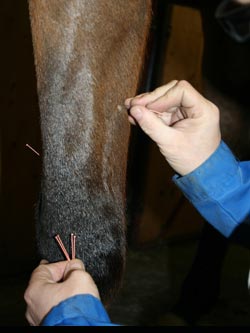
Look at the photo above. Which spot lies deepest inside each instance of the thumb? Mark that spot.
(152, 125)
(73, 265)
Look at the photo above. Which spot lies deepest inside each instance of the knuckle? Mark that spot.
(183, 84)
(157, 90)
(214, 108)
(27, 295)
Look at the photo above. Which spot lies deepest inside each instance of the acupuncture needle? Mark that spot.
(62, 247)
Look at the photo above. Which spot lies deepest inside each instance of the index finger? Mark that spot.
(182, 95)
(146, 98)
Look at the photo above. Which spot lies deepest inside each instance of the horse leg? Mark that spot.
(88, 57)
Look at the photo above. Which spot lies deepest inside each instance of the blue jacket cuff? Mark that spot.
(79, 310)
(218, 175)
(216, 189)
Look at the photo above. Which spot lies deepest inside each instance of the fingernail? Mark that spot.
(76, 264)
(136, 113)
(127, 102)
(72, 265)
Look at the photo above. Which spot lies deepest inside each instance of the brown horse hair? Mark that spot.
(88, 57)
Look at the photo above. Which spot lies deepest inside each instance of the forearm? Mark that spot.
(220, 190)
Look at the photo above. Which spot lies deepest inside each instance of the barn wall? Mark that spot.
(20, 168)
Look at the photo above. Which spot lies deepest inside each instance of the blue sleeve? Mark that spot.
(79, 310)
(220, 190)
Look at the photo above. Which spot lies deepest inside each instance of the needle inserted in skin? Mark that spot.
(62, 247)
(27, 145)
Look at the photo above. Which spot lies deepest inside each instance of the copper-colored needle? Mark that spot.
(73, 246)
(27, 145)
(62, 247)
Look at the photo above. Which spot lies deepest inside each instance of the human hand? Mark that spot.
(185, 127)
(52, 283)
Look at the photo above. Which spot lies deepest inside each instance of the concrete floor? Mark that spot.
(151, 286)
